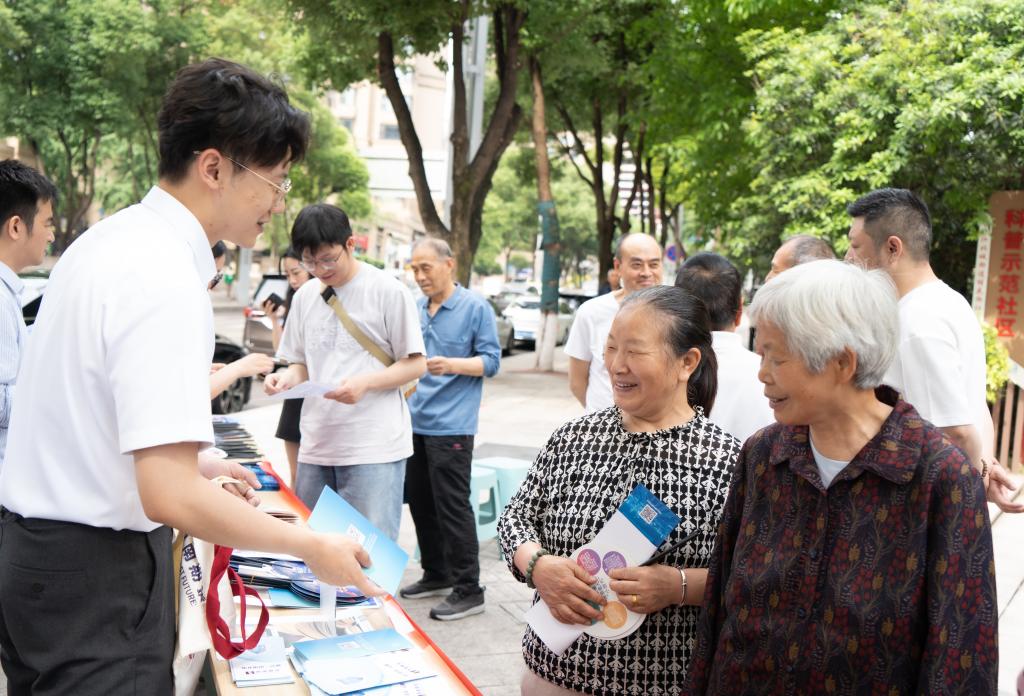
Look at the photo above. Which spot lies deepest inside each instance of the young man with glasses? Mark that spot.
(356, 439)
(114, 406)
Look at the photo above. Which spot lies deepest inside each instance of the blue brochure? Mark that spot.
(333, 514)
(352, 646)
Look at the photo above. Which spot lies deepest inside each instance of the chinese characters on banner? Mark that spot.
(1004, 302)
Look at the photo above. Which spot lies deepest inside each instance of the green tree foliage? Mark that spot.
(510, 214)
(925, 95)
(352, 40)
(86, 98)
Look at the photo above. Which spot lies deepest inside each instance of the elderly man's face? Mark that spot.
(795, 394)
(782, 261)
(639, 263)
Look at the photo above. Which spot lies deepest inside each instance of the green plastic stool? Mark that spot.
(510, 472)
(485, 481)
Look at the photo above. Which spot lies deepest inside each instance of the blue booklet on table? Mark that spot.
(333, 514)
(353, 645)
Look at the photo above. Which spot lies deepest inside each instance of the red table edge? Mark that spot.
(301, 507)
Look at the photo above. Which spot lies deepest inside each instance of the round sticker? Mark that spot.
(613, 560)
(589, 561)
(614, 615)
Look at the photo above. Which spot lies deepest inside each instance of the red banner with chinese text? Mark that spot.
(1004, 299)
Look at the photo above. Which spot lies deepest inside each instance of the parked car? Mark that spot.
(525, 316)
(506, 339)
(258, 333)
(236, 396)
(32, 295)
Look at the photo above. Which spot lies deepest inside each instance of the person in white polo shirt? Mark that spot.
(114, 405)
(638, 261)
(940, 364)
(741, 408)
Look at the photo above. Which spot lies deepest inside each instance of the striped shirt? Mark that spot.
(12, 340)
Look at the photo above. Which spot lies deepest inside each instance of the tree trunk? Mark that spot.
(549, 228)
(471, 177)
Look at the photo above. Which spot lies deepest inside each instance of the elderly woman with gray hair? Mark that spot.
(854, 554)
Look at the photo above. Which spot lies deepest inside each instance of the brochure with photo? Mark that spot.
(630, 537)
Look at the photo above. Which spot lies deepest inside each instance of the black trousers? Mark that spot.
(84, 610)
(437, 490)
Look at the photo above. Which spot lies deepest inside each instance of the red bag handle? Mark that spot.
(220, 632)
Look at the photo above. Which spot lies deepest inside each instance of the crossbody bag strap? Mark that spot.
(331, 298)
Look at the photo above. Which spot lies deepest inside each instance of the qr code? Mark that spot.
(648, 513)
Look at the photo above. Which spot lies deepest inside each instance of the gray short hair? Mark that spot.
(438, 246)
(807, 248)
(823, 307)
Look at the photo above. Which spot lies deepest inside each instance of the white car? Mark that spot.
(524, 313)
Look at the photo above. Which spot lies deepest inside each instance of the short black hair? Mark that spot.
(224, 105)
(219, 249)
(318, 225)
(717, 283)
(807, 248)
(22, 189)
(896, 212)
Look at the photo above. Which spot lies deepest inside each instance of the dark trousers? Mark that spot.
(84, 610)
(437, 489)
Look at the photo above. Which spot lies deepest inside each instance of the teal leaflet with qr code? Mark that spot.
(649, 515)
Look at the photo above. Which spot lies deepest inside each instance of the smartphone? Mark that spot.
(274, 299)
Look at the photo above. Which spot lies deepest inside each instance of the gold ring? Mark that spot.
(634, 600)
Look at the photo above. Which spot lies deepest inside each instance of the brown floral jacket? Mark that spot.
(883, 584)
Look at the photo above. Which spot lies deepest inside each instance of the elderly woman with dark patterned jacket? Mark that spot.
(855, 555)
(663, 376)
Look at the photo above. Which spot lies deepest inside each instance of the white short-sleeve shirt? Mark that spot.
(378, 428)
(586, 341)
(741, 408)
(940, 364)
(119, 360)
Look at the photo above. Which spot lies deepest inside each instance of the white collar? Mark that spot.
(186, 224)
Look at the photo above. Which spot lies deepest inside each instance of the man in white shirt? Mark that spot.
(357, 438)
(940, 364)
(26, 229)
(114, 406)
(741, 407)
(638, 261)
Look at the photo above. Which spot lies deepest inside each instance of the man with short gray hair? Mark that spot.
(801, 248)
(461, 337)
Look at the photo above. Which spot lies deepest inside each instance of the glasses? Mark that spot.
(310, 265)
(281, 190)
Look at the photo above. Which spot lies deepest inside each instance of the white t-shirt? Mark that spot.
(119, 361)
(741, 408)
(378, 428)
(586, 341)
(940, 365)
(828, 469)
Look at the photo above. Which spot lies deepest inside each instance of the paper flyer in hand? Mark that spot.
(333, 514)
(629, 538)
(302, 390)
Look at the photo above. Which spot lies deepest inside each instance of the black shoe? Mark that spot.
(459, 604)
(426, 588)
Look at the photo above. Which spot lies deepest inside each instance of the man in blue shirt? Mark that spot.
(26, 229)
(462, 348)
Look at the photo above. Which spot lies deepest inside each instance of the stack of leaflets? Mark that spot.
(264, 665)
(352, 664)
(290, 581)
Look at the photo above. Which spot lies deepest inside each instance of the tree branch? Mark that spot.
(567, 151)
(567, 120)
